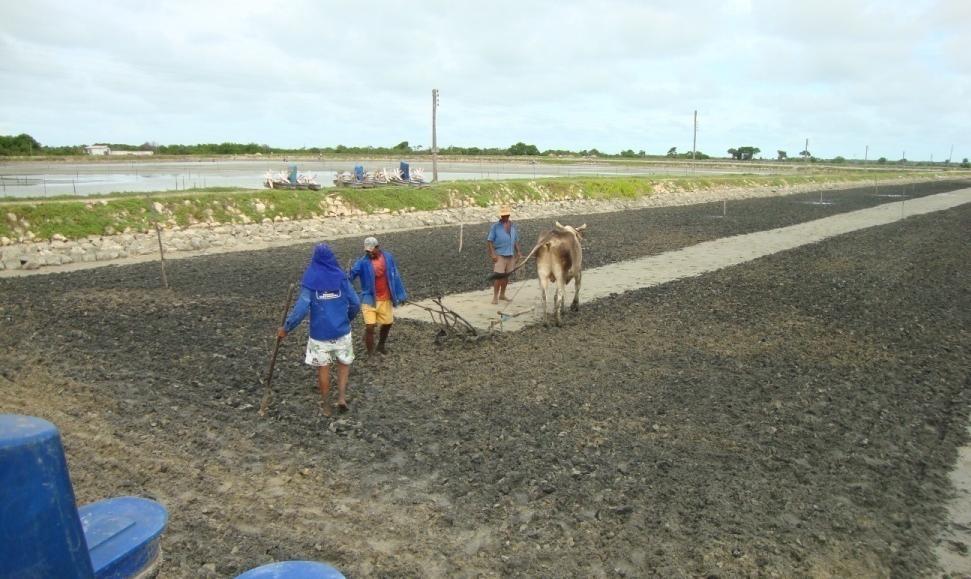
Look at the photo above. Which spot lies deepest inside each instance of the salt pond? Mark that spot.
(48, 179)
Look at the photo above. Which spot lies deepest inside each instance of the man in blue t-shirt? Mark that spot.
(503, 242)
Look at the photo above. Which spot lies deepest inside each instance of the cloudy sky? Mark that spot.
(611, 75)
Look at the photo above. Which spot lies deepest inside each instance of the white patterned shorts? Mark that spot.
(324, 352)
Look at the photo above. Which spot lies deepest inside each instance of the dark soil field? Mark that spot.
(793, 416)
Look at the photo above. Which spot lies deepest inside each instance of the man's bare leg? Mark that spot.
(323, 383)
(342, 372)
(383, 337)
(495, 291)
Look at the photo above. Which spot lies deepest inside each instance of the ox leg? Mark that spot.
(558, 300)
(575, 306)
(543, 285)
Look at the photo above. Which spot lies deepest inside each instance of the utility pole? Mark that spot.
(806, 149)
(866, 153)
(694, 141)
(434, 136)
(949, 154)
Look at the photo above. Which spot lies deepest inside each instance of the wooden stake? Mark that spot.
(161, 255)
(461, 223)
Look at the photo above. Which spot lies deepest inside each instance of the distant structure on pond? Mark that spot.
(103, 150)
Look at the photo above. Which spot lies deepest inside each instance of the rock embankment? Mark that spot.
(214, 238)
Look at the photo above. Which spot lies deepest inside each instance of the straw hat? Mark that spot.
(505, 210)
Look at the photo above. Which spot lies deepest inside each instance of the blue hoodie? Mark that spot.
(327, 295)
(331, 312)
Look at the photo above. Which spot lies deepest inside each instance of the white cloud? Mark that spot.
(577, 74)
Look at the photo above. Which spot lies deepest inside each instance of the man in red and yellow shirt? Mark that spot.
(381, 291)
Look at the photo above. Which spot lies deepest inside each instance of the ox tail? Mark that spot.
(542, 241)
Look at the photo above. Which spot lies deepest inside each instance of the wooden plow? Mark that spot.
(448, 320)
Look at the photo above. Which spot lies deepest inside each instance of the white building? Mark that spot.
(97, 150)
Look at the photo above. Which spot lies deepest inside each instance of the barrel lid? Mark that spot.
(122, 534)
(17, 430)
(293, 570)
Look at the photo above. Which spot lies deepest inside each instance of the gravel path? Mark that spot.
(526, 303)
(796, 415)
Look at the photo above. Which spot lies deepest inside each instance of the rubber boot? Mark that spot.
(385, 329)
(369, 338)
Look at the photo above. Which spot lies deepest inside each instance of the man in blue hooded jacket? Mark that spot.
(329, 298)
(381, 291)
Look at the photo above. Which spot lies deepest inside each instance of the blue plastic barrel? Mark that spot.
(359, 172)
(293, 174)
(293, 570)
(43, 533)
(123, 535)
(40, 531)
(403, 165)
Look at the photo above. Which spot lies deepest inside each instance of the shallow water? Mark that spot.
(42, 179)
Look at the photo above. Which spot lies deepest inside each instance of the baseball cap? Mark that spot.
(370, 242)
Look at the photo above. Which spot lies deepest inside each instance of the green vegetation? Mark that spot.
(23, 145)
(75, 218)
(746, 153)
(687, 155)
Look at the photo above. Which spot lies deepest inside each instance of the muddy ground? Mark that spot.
(796, 415)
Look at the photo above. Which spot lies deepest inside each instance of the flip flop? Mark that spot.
(343, 408)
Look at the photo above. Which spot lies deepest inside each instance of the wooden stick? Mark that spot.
(267, 393)
(461, 224)
(161, 255)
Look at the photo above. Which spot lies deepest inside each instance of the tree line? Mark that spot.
(24, 145)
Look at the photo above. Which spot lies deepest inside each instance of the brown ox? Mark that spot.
(558, 260)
